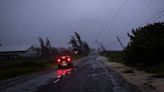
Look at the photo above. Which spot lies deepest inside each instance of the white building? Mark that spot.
(17, 51)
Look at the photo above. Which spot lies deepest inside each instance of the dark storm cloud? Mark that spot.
(23, 21)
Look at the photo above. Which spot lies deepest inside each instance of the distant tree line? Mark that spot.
(44, 49)
(146, 46)
(79, 45)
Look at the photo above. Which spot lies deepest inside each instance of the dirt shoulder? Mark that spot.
(142, 80)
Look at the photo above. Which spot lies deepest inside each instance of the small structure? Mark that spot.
(11, 52)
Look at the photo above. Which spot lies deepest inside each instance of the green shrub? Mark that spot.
(146, 46)
(113, 56)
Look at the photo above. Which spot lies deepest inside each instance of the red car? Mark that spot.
(64, 62)
(65, 65)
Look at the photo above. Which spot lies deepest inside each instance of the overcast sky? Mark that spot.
(23, 21)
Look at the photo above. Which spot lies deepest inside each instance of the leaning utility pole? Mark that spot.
(120, 42)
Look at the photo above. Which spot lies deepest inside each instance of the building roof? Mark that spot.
(14, 48)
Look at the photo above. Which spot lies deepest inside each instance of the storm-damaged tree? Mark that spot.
(86, 48)
(78, 45)
(45, 49)
(146, 46)
(78, 39)
(74, 44)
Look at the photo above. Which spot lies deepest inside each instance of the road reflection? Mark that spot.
(63, 72)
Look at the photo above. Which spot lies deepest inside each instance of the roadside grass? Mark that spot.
(117, 56)
(76, 57)
(157, 69)
(113, 56)
(14, 68)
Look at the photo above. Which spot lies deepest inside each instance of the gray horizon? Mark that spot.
(23, 21)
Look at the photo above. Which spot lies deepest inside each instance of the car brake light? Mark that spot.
(63, 57)
(69, 59)
(58, 60)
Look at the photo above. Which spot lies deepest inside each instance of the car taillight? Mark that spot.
(69, 59)
(58, 60)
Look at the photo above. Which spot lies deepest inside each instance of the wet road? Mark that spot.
(27, 83)
(92, 75)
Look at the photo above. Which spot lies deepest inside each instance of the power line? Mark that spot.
(159, 15)
(139, 14)
(154, 16)
(119, 9)
(112, 17)
(110, 20)
(106, 21)
(142, 10)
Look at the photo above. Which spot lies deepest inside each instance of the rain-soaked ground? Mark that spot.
(91, 75)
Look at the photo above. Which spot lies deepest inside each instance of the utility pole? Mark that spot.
(120, 42)
(100, 45)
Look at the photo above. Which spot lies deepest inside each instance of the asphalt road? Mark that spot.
(91, 75)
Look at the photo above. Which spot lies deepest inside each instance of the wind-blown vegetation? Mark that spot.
(113, 56)
(146, 46)
(44, 59)
(145, 49)
(45, 50)
(78, 45)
